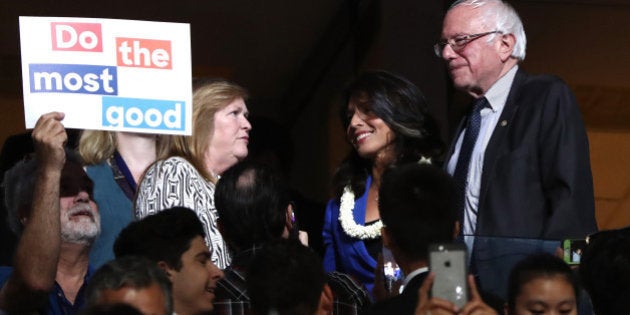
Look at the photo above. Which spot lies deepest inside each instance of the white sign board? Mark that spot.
(108, 74)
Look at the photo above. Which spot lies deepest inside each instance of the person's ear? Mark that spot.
(507, 42)
(325, 301)
(22, 214)
(167, 269)
(387, 242)
(289, 217)
(456, 228)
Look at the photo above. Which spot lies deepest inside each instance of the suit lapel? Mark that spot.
(360, 206)
(497, 140)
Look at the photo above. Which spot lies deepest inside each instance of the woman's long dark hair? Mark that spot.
(402, 106)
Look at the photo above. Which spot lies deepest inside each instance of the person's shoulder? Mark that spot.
(97, 170)
(171, 165)
(232, 286)
(348, 290)
(542, 81)
(542, 92)
(393, 305)
(5, 273)
(173, 160)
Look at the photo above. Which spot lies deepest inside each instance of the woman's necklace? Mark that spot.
(348, 224)
(346, 216)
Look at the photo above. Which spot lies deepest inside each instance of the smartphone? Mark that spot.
(392, 275)
(573, 250)
(448, 262)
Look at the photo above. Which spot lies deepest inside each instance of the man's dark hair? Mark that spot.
(285, 278)
(163, 236)
(605, 271)
(129, 272)
(417, 206)
(542, 265)
(251, 201)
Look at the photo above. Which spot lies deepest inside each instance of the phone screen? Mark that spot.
(573, 250)
(448, 263)
(392, 275)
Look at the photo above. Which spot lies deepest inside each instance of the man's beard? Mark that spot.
(81, 230)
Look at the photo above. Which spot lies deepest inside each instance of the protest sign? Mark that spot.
(108, 74)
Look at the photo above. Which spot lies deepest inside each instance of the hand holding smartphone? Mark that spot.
(448, 263)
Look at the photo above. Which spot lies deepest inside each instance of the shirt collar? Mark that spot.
(498, 92)
(410, 276)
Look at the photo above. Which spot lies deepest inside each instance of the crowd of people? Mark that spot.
(159, 224)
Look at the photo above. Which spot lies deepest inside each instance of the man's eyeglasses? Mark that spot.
(458, 43)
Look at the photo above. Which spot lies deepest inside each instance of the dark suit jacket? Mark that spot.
(536, 181)
(404, 303)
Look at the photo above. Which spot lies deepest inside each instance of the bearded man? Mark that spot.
(49, 200)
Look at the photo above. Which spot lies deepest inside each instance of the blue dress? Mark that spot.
(342, 252)
(115, 209)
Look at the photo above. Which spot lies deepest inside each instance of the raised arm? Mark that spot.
(38, 249)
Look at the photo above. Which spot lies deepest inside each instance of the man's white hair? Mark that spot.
(504, 18)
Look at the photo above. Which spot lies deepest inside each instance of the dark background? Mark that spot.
(295, 56)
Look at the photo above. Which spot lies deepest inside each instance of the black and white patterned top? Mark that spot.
(175, 182)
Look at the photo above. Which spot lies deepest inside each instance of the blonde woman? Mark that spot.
(187, 174)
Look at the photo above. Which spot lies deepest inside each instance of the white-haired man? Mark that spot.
(520, 157)
(49, 200)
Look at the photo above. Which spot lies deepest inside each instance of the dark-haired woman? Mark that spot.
(387, 122)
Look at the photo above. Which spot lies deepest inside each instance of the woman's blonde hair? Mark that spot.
(209, 97)
(96, 146)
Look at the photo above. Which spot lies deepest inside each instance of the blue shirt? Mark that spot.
(58, 304)
(115, 208)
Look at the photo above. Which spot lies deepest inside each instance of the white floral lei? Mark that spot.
(346, 216)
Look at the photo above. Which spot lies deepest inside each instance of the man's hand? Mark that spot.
(49, 137)
(476, 306)
(436, 306)
(433, 306)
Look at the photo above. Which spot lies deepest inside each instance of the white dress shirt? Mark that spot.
(497, 96)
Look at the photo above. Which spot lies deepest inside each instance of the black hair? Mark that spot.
(417, 206)
(129, 272)
(535, 266)
(285, 278)
(403, 108)
(605, 271)
(163, 236)
(251, 201)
